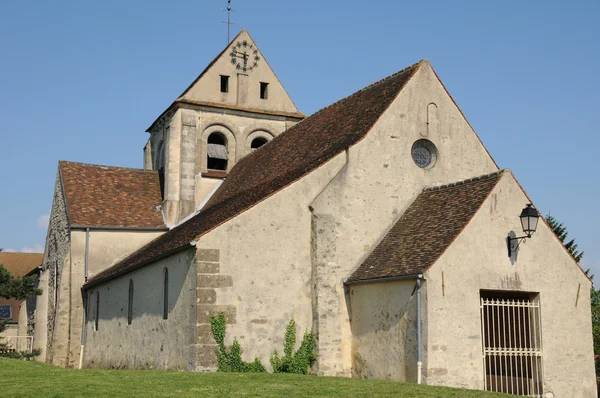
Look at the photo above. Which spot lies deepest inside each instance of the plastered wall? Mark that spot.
(150, 342)
(384, 330)
(264, 263)
(478, 259)
(381, 180)
(105, 249)
(244, 88)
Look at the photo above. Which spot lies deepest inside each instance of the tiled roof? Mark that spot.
(20, 264)
(103, 196)
(427, 228)
(287, 158)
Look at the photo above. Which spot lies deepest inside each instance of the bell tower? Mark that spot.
(236, 105)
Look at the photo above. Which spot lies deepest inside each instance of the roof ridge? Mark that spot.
(463, 182)
(104, 166)
(371, 85)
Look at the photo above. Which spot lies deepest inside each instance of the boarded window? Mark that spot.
(217, 154)
(512, 343)
(166, 294)
(130, 303)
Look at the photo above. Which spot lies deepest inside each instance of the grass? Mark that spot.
(28, 379)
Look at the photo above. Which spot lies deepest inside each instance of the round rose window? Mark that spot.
(424, 153)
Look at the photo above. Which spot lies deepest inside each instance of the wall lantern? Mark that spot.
(529, 220)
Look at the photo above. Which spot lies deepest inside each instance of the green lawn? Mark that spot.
(33, 379)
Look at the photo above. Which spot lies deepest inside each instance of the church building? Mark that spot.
(380, 222)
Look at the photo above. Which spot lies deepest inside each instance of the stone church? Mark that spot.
(380, 223)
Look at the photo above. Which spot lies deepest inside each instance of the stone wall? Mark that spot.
(31, 306)
(210, 282)
(56, 265)
(183, 133)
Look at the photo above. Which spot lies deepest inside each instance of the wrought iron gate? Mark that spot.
(512, 346)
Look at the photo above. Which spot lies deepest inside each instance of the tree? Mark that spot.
(561, 232)
(15, 288)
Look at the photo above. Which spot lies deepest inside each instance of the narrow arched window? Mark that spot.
(160, 156)
(257, 143)
(130, 303)
(166, 294)
(97, 310)
(217, 154)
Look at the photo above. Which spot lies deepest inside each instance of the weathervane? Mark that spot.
(229, 23)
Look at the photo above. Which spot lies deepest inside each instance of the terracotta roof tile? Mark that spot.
(106, 196)
(287, 158)
(20, 264)
(426, 229)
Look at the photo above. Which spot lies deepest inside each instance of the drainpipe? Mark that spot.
(419, 359)
(84, 296)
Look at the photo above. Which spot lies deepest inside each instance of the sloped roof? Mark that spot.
(20, 264)
(106, 196)
(427, 228)
(287, 158)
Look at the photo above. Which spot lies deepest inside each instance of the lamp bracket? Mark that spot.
(512, 244)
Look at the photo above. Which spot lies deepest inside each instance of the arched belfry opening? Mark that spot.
(217, 154)
(257, 143)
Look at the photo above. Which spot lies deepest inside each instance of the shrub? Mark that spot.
(26, 356)
(230, 359)
(298, 362)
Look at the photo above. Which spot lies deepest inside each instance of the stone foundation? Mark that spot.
(209, 281)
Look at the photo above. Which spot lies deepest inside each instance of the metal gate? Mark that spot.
(19, 343)
(512, 346)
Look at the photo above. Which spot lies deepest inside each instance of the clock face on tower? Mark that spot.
(244, 56)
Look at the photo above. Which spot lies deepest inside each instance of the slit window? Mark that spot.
(97, 311)
(166, 294)
(224, 84)
(264, 90)
(130, 303)
(217, 154)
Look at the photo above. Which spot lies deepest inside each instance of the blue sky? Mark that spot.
(82, 81)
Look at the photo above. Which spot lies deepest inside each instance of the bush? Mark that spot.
(298, 362)
(230, 360)
(26, 356)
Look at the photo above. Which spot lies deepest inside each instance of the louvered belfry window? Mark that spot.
(512, 344)
(217, 154)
